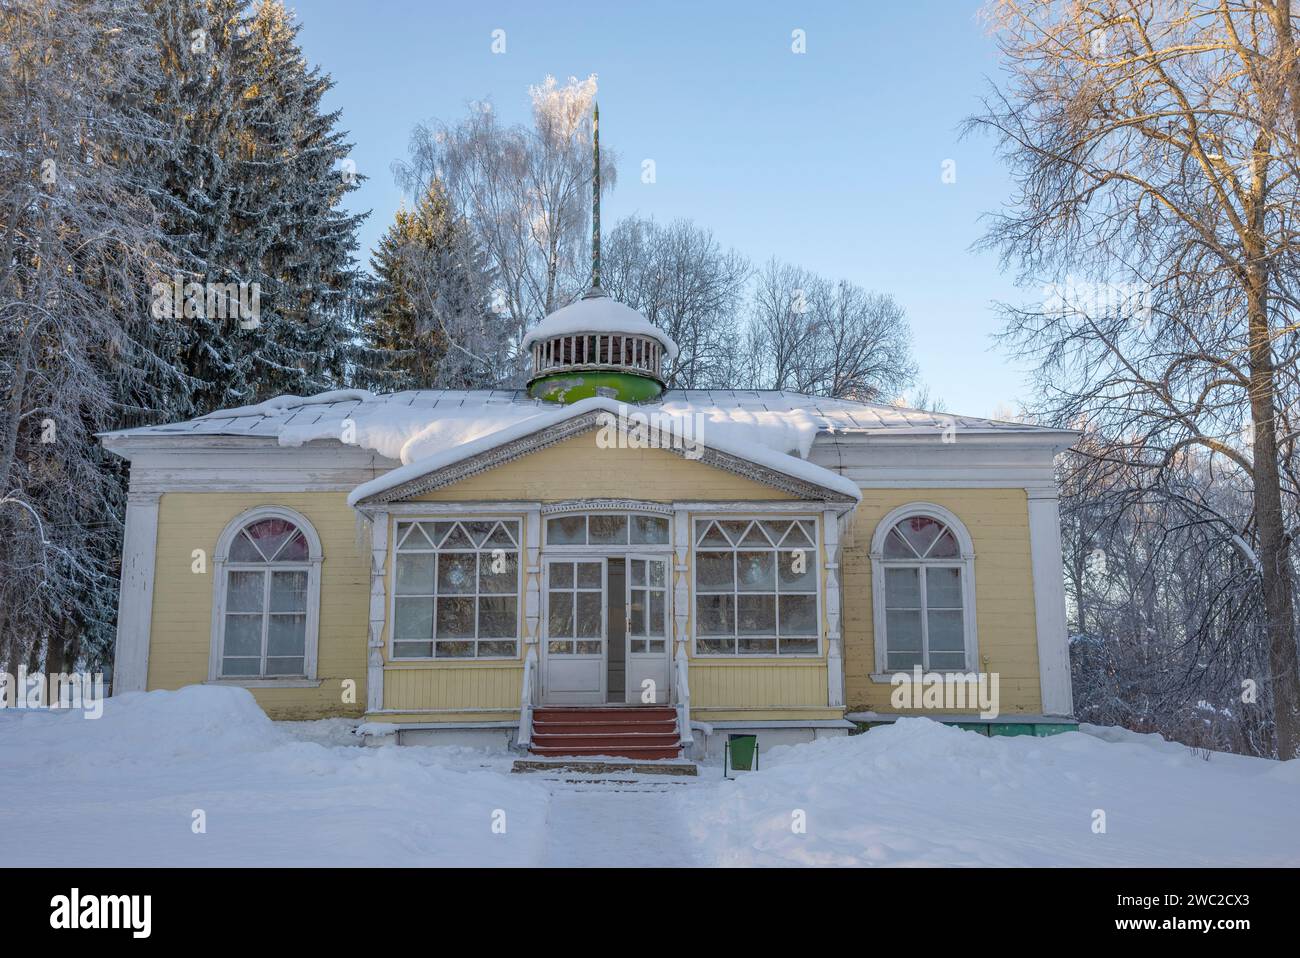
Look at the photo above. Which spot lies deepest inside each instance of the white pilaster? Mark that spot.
(135, 596)
(378, 611)
(533, 581)
(834, 654)
(1049, 602)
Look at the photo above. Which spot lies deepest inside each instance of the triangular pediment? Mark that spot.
(616, 436)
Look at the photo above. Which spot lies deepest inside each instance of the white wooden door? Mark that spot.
(576, 632)
(646, 602)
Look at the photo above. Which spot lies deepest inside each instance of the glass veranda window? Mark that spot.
(264, 628)
(925, 616)
(756, 587)
(457, 589)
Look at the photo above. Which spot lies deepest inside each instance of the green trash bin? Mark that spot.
(741, 754)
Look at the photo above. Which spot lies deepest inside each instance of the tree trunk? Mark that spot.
(1275, 562)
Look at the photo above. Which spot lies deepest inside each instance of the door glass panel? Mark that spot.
(636, 572)
(589, 576)
(656, 613)
(636, 612)
(560, 621)
(589, 617)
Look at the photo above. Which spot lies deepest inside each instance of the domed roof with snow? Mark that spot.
(598, 314)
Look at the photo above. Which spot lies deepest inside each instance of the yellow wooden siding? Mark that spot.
(767, 684)
(998, 522)
(476, 686)
(182, 611)
(579, 469)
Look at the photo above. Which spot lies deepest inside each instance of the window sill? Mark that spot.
(252, 683)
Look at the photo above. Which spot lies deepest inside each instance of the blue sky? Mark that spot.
(831, 159)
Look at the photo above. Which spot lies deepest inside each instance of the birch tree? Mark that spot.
(1153, 147)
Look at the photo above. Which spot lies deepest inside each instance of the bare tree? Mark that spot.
(826, 339)
(681, 279)
(526, 191)
(1154, 149)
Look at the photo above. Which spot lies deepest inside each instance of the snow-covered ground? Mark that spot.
(126, 789)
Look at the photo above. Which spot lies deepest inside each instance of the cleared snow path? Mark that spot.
(632, 825)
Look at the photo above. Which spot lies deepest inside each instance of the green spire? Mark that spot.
(595, 198)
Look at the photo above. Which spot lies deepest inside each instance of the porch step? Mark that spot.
(636, 732)
(601, 769)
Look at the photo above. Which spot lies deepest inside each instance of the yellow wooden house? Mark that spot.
(595, 556)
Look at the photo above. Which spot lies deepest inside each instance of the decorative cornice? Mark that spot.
(577, 426)
(596, 505)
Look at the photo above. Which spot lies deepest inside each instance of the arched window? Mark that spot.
(923, 591)
(267, 571)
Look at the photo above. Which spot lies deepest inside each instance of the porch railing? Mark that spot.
(525, 737)
(682, 687)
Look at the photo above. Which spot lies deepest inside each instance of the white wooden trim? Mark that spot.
(220, 561)
(830, 534)
(966, 561)
(380, 524)
(135, 598)
(1049, 604)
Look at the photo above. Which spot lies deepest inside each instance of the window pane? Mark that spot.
(589, 576)
(560, 617)
(902, 589)
(454, 650)
(286, 635)
(458, 539)
(649, 530)
(294, 551)
(498, 572)
(455, 618)
(412, 650)
(947, 660)
(411, 535)
(415, 574)
(798, 615)
(478, 531)
(269, 535)
(715, 615)
(943, 588)
(566, 530)
(288, 591)
(776, 530)
(658, 572)
(797, 646)
(561, 575)
(498, 648)
(800, 536)
(896, 547)
(607, 530)
(240, 667)
(413, 619)
(503, 536)
(284, 666)
(714, 570)
(946, 632)
(636, 572)
(903, 631)
(715, 646)
(734, 529)
(756, 615)
(656, 645)
(945, 548)
(902, 660)
(588, 614)
(656, 613)
(755, 571)
(559, 648)
(757, 647)
(920, 532)
(243, 635)
(710, 536)
(244, 591)
(789, 579)
(455, 573)
(497, 618)
(243, 550)
(636, 612)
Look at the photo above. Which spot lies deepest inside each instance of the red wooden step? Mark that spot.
(621, 751)
(602, 741)
(602, 728)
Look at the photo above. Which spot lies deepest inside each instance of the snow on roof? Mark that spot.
(430, 450)
(770, 427)
(598, 314)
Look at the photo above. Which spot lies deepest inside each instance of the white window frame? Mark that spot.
(220, 566)
(815, 564)
(965, 560)
(521, 559)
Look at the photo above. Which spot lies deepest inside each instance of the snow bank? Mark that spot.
(280, 404)
(920, 793)
(126, 789)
